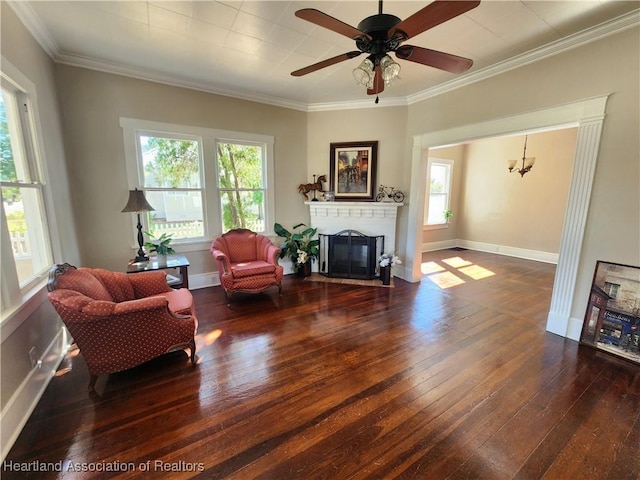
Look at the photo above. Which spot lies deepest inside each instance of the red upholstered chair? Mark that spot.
(118, 320)
(247, 262)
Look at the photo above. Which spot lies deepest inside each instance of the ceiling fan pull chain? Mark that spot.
(377, 99)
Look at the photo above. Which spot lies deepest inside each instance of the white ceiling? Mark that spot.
(249, 48)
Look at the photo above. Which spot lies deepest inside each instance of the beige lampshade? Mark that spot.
(137, 202)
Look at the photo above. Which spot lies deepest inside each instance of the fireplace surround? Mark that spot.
(368, 218)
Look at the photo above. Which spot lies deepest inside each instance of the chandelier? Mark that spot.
(365, 72)
(527, 162)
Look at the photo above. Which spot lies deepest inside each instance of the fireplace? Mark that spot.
(375, 219)
(350, 254)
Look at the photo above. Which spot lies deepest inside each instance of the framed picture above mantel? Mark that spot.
(353, 168)
(612, 320)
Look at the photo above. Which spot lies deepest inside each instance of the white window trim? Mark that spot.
(211, 201)
(177, 136)
(18, 302)
(430, 162)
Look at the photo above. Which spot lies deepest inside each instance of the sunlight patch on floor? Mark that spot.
(457, 262)
(476, 272)
(445, 279)
(428, 268)
(446, 276)
(212, 336)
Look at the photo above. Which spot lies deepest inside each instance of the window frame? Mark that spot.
(265, 171)
(209, 172)
(201, 189)
(449, 164)
(13, 296)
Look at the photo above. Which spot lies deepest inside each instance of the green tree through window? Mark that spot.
(174, 163)
(241, 186)
(173, 185)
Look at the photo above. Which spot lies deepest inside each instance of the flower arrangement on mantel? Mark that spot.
(388, 260)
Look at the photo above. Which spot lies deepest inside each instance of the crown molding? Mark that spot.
(175, 81)
(576, 40)
(29, 18)
(36, 28)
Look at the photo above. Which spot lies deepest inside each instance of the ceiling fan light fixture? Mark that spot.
(390, 70)
(363, 73)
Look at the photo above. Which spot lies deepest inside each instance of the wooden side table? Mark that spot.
(173, 261)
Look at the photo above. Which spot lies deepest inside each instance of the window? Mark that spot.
(201, 182)
(611, 289)
(241, 185)
(439, 176)
(172, 180)
(26, 249)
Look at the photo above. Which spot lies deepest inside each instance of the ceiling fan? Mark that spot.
(380, 34)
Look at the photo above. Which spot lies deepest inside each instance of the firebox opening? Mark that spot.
(350, 254)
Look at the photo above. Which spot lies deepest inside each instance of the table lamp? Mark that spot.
(138, 203)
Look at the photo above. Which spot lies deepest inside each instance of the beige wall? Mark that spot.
(613, 223)
(93, 104)
(387, 125)
(506, 209)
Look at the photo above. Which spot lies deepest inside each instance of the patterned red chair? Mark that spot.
(120, 321)
(247, 262)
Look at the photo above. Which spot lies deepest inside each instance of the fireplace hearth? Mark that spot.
(350, 254)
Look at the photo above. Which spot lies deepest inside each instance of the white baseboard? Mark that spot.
(527, 254)
(20, 406)
(433, 246)
(537, 255)
(203, 280)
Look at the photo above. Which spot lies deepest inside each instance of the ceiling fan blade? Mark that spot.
(433, 14)
(433, 58)
(323, 20)
(326, 63)
(378, 82)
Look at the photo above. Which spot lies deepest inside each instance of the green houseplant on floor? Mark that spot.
(299, 246)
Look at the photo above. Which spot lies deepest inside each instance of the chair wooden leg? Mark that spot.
(92, 383)
(192, 347)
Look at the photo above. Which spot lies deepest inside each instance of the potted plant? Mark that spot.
(161, 246)
(385, 262)
(447, 215)
(299, 246)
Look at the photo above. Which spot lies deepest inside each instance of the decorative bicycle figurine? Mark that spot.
(390, 193)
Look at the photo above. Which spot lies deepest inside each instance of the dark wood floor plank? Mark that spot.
(333, 381)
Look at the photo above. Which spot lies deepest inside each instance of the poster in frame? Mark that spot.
(612, 319)
(353, 170)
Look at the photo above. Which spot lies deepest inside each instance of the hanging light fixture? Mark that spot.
(365, 74)
(527, 162)
(390, 70)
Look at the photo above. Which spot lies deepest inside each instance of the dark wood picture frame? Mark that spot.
(612, 320)
(353, 168)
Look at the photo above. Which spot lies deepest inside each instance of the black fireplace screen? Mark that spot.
(350, 254)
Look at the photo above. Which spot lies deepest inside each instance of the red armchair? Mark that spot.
(120, 321)
(247, 262)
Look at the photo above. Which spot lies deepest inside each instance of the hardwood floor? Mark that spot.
(453, 378)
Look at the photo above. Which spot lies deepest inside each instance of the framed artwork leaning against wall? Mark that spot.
(612, 319)
(353, 170)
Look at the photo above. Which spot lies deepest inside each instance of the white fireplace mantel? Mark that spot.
(368, 218)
